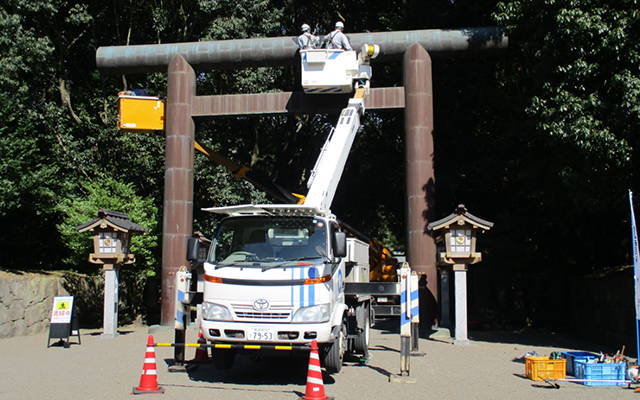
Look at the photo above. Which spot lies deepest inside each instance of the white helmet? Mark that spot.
(339, 24)
(305, 27)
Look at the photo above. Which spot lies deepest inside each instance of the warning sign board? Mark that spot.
(64, 321)
(62, 307)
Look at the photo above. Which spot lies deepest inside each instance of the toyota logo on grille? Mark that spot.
(261, 304)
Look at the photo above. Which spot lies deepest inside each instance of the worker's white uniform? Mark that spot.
(308, 41)
(337, 40)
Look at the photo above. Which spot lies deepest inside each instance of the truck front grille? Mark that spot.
(262, 315)
(275, 312)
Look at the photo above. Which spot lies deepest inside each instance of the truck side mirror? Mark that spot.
(193, 249)
(340, 245)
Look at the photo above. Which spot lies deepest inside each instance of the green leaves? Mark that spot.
(109, 193)
(583, 88)
(243, 19)
(545, 135)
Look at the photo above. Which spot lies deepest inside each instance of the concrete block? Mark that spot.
(6, 297)
(31, 289)
(33, 314)
(6, 330)
(18, 288)
(17, 310)
(19, 328)
(4, 314)
(50, 288)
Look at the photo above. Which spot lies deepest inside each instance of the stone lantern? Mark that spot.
(456, 241)
(112, 231)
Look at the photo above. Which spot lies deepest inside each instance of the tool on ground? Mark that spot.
(554, 383)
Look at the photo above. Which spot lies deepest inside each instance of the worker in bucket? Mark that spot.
(307, 41)
(337, 39)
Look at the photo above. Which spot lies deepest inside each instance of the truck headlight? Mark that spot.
(312, 314)
(215, 312)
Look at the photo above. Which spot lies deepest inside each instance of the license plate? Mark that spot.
(261, 334)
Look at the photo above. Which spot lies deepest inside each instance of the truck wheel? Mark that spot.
(335, 353)
(361, 342)
(222, 358)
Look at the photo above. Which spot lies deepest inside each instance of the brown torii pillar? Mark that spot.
(178, 179)
(420, 179)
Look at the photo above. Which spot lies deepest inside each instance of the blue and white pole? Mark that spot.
(415, 312)
(405, 318)
(636, 266)
(183, 281)
(182, 287)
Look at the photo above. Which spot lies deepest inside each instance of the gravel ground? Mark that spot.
(109, 368)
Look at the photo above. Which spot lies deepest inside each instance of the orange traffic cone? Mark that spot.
(315, 385)
(202, 354)
(148, 380)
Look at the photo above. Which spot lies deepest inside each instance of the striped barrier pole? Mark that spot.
(181, 288)
(415, 312)
(406, 315)
(405, 320)
(239, 346)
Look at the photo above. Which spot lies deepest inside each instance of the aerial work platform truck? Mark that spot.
(278, 276)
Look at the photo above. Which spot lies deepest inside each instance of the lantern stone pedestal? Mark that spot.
(460, 289)
(110, 319)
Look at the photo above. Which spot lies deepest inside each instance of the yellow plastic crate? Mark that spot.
(541, 368)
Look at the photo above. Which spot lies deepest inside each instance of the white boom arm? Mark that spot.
(328, 71)
(327, 172)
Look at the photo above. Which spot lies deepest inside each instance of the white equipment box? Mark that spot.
(330, 71)
(357, 260)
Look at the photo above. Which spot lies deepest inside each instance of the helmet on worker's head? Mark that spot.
(305, 28)
(340, 25)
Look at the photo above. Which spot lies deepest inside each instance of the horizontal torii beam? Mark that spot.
(290, 103)
(281, 51)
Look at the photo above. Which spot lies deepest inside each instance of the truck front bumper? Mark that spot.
(261, 333)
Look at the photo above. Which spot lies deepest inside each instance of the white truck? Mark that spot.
(275, 275)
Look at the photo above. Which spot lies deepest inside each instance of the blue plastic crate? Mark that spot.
(573, 356)
(600, 373)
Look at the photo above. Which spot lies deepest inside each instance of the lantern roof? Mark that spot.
(117, 220)
(460, 214)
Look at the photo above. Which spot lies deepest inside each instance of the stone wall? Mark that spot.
(25, 302)
(26, 299)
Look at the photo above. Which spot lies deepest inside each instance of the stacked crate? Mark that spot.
(584, 367)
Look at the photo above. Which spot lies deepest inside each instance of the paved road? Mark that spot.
(110, 368)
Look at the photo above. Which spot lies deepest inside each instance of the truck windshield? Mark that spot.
(266, 240)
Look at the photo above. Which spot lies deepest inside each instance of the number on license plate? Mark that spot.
(261, 334)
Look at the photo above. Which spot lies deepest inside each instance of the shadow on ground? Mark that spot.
(536, 338)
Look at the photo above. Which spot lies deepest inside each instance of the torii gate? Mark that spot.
(414, 48)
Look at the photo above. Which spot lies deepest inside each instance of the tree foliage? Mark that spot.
(108, 193)
(541, 140)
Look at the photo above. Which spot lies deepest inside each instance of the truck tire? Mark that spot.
(222, 358)
(361, 342)
(334, 353)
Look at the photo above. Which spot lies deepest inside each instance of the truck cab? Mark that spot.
(275, 276)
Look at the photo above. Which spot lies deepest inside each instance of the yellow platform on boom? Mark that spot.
(140, 113)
